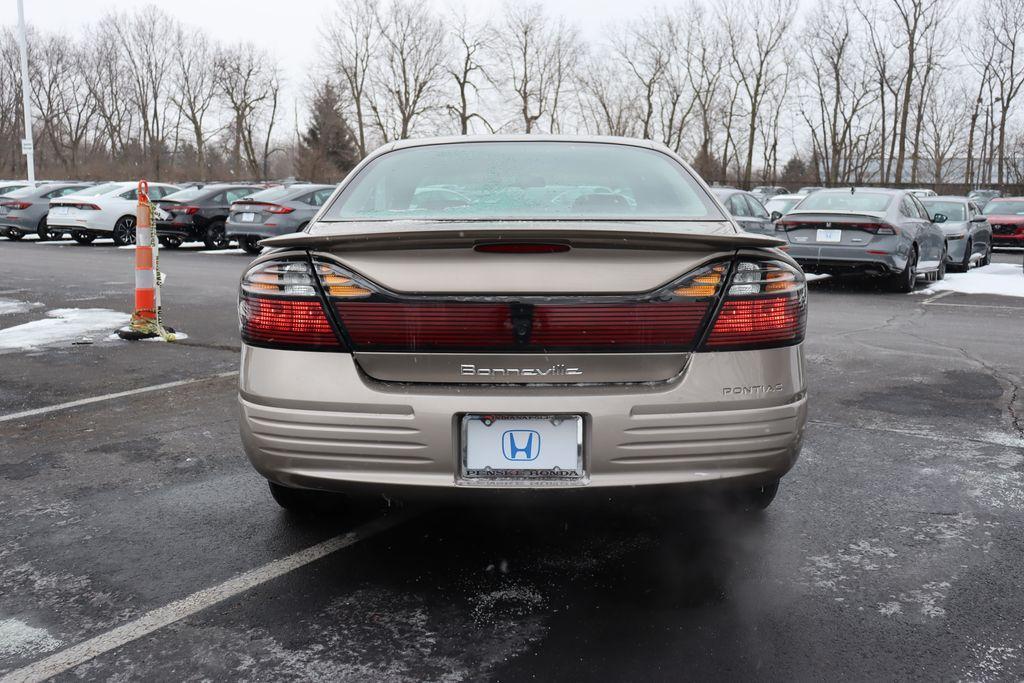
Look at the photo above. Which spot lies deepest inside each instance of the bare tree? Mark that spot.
(194, 88)
(467, 69)
(538, 57)
(250, 83)
(756, 31)
(351, 35)
(1004, 21)
(407, 73)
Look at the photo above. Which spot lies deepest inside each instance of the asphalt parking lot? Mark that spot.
(137, 542)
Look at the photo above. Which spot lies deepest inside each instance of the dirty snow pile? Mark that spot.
(8, 306)
(61, 326)
(1006, 279)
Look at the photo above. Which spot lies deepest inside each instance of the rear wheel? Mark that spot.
(215, 238)
(251, 245)
(42, 230)
(170, 241)
(904, 282)
(124, 231)
(83, 237)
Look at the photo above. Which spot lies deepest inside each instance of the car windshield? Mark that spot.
(781, 205)
(844, 200)
(953, 211)
(523, 180)
(1004, 208)
(97, 190)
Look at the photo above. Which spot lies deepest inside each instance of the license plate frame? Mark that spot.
(59, 211)
(247, 217)
(566, 430)
(829, 236)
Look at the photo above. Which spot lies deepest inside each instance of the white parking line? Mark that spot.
(186, 607)
(110, 397)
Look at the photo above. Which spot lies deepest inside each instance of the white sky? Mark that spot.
(289, 29)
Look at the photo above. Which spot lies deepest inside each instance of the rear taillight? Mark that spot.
(184, 209)
(261, 206)
(279, 306)
(765, 306)
(16, 205)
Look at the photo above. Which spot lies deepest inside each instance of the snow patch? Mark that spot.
(223, 251)
(1005, 279)
(8, 306)
(18, 638)
(61, 326)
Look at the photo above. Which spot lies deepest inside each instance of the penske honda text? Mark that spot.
(518, 313)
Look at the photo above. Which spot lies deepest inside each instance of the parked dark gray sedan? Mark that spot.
(968, 233)
(24, 210)
(744, 207)
(275, 211)
(866, 231)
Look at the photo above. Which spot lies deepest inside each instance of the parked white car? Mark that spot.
(106, 210)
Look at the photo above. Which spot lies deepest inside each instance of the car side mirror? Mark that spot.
(979, 219)
(776, 215)
(939, 218)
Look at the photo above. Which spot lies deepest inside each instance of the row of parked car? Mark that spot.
(894, 234)
(216, 214)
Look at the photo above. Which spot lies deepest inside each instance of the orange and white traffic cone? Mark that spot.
(145, 322)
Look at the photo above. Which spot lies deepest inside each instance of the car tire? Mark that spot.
(124, 231)
(940, 274)
(171, 242)
(904, 282)
(42, 230)
(305, 502)
(965, 262)
(251, 245)
(83, 237)
(14, 234)
(215, 237)
(987, 258)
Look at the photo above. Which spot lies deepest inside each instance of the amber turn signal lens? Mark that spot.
(705, 284)
(338, 285)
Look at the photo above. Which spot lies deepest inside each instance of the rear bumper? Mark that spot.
(25, 223)
(845, 260)
(260, 230)
(1007, 240)
(731, 418)
(187, 231)
(69, 224)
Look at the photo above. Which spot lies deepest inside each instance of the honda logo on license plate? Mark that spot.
(520, 444)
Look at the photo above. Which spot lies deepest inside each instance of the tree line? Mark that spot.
(751, 91)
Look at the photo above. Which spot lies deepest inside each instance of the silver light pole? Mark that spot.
(26, 144)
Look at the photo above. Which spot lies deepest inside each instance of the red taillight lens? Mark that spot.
(765, 306)
(277, 208)
(658, 324)
(186, 210)
(16, 205)
(289, 323)
(261, 206)
(427, 326)
(279, 306)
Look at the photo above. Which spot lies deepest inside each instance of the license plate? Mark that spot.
(518, 449)
(59, 211)
(830, 236)
(247, 217)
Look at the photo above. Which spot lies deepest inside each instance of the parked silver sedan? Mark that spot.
(24, 210)
(745, 209)
(968, 233)
(866, 231)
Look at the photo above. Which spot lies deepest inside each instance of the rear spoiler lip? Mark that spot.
(439, 235)
(834, 216)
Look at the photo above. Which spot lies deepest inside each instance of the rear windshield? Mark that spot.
(269, 195)
(1002, 208)
(185, 195)
(97, 190)
(523, 180)
(844, 200)
(781, 205)
(953, 211)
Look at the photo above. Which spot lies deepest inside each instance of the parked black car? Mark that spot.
(199, 214)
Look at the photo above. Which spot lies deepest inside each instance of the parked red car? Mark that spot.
(1006, 216)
